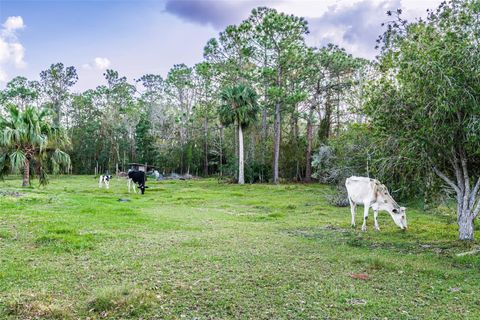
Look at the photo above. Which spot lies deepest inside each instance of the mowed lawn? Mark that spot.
(206, 250)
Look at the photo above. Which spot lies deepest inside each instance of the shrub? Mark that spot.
(339, 198)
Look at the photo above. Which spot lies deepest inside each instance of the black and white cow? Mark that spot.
(137, 177)
(104, 179)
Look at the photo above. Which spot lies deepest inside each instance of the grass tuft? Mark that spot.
(33, 307)
(121, 301)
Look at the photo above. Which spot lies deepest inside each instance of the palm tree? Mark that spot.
(239, 108)
(29, 140)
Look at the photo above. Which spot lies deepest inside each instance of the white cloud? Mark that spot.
(13, 23)
(98, 63)
(12, 51)
(102, 63)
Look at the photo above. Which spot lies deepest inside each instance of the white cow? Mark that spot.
(371, 193)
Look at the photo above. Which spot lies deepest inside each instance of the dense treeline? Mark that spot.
(304, 96)
(264, 106)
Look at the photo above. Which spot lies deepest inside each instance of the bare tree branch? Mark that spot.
(458, 172)
(473, 195)
(447, 180)
(476, 210)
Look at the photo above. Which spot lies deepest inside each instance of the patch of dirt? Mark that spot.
(359, 276)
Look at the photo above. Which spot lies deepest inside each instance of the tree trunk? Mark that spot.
(221, 151)
(324, 128)
(264, 141)
(337, 102)
(465, 226)
(181, 158)
(308, 156)
(205, 162)
(26, 174)
(276, 143)
(294, 128)
(277, 130)
(296, 144)
(468, 204)
(236, 148)
(241, 177)
(58, 113)
(252, 145)
(264, 118)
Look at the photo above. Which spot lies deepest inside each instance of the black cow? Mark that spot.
(137, 177)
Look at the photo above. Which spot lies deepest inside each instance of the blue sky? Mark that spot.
(139, 37)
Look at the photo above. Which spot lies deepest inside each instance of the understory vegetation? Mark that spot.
(205, 250)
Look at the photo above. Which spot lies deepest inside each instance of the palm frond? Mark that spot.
(4, 164)
(60, 158)
(17, 160)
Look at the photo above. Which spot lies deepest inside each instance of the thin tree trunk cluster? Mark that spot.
(276, 142)
(468, 203)
(308, 155)
(205, 161)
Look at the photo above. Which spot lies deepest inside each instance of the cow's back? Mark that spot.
(137, 176)
(361, 189)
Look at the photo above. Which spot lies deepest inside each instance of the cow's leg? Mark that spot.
(134, 189)
(100, 182)
(353, 210)
(107, 184)
(365, 217)
(129, 181)
(375, 215)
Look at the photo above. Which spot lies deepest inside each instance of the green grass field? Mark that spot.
(204, 250)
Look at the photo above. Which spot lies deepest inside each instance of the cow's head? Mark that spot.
(399, 216)
(386, 202)
(142, 188)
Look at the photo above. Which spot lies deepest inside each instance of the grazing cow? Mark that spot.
(371, 193)
(104, 179)
(137, 177)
